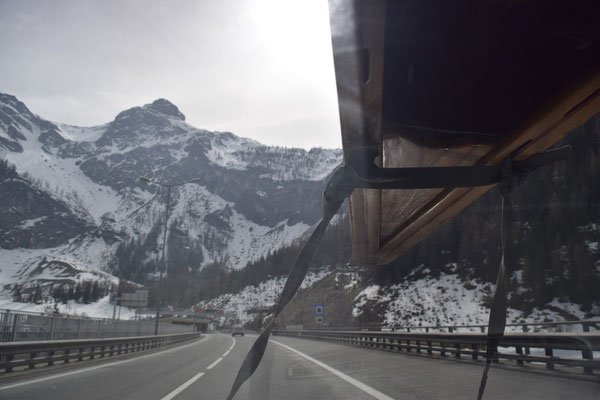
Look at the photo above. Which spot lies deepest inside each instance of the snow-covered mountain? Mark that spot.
(73, 195)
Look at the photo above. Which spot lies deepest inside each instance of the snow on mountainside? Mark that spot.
(447, 300)
(231, 152)
(250, 198)
(262, 296)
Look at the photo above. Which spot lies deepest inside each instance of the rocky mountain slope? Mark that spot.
(73, 195)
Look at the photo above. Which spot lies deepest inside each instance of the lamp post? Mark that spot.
(164, 260)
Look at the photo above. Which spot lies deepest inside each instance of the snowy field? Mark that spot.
(100, 309)
(449, 301)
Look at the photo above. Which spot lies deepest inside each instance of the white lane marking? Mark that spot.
(218, 360)
(183, 387)
(230, 348)
(111, 364)
(367, 389)
(190, 381)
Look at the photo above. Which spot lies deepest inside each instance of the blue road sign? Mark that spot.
(319, 310)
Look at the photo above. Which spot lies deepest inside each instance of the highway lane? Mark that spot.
(291, 369)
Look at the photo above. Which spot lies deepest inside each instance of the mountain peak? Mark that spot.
(16, 104)
(164, 106)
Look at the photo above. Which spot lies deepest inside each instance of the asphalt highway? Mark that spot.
(291, 369)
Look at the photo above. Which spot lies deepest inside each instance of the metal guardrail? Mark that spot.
(518, 347)
(29, 355)
(586, 326)
(24, 326)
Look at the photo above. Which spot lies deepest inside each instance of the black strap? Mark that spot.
(497, 321)
(361, 172)
(367, 175)
(333, 197)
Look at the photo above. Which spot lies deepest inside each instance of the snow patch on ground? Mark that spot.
(591, 246)
(81, 255)
(100, 309)
(263, 296)
(449, 301)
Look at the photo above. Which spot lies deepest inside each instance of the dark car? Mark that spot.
(238, 330)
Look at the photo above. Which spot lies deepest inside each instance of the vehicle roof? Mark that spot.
(454, 84)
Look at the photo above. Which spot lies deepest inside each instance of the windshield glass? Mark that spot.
(299, 199)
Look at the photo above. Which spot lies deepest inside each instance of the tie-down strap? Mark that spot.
(361, 171)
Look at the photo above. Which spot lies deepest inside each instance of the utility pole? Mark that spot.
(195, 310)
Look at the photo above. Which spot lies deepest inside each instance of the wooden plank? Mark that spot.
(546, 127)
(386, 223)
(358, 59)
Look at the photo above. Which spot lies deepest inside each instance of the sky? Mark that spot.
(258, 68)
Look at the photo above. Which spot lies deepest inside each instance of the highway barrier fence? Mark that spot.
(16, 326)
(47, 353)
(568, 349)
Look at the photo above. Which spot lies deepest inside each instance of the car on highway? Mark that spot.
(238, 330)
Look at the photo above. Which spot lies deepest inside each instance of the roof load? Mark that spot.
(454, 83)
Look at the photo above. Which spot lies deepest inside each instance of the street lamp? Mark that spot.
(164, 260)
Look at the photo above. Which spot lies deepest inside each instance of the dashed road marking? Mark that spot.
(183, 387)
(218, 360)
(190, 381)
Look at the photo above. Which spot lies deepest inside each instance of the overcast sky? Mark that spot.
(258, 68)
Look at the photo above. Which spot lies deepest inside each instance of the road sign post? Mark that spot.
(319, 310)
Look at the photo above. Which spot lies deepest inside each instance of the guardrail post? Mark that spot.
(475, 353)
(482, 328)
(450, 329)
(51, 358)
(15, 326)
(520, 353)
(525, 328)
(457, 353)
(429, 349)
(51, 327)
(67, 359)
(443, 349)
(587, 354)
(9, 358)
(549, 353)
(32, 357)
